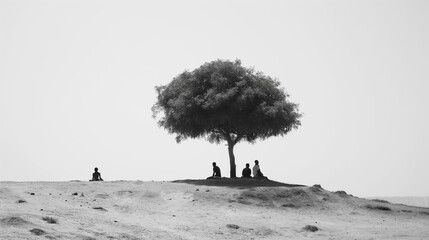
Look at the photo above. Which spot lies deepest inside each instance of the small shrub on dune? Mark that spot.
(37, 231)
(316, 188)
(21, 201)
(50, 220)
(100, 208)
(311, 228)
(341, 193)
(289, 205)
(232, 226)
(13, 221)
(378, 207)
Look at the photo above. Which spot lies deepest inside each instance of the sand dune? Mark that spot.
(199, 209)
(418, 201)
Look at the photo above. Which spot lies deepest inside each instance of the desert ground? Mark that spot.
(418, 201)
(199, 209)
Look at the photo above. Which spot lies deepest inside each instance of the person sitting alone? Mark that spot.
(246, 172)
(216, 171)
(257, 171)
(96, 176)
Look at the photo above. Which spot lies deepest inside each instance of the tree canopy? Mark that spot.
(222, 100)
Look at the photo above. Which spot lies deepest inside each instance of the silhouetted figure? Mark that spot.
(246, 172)
(96, 176)
(257, 171)
(216, 171)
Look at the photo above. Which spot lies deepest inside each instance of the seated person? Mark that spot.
(216, 171)
(257, 171)
(246, 172)
(96, 176)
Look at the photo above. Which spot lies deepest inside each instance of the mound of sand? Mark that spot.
(237, 182)
(199, 209)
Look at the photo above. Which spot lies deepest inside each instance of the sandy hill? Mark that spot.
(199, 209)
(418, 201)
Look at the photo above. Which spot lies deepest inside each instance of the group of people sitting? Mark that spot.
(246, 173)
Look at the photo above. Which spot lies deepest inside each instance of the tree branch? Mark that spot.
(237, 139)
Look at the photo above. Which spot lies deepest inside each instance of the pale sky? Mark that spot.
(77, 85)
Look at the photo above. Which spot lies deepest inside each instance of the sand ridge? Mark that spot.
(199, 209)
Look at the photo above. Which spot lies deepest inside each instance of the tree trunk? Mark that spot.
(231, 160)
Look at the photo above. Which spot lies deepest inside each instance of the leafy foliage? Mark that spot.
(222, 100)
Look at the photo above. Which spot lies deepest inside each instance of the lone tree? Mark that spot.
(224, 101)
